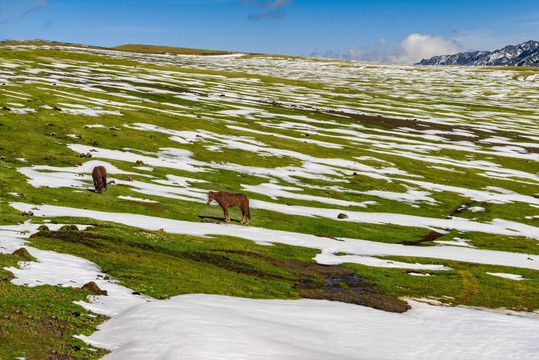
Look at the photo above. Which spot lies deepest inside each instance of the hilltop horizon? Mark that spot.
(382, 31)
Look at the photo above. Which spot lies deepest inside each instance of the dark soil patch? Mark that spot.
(330, 282)
(433, 235)
(69, 228)
(420, 126)
(23, 254)
(88, 239)
(93, 288)
(336, 283)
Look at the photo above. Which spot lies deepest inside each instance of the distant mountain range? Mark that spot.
(525, 54)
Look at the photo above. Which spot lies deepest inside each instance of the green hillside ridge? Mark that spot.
(136, 48)
(157, 49)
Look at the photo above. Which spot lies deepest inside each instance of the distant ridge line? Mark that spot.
(135, 48)
(157, 49)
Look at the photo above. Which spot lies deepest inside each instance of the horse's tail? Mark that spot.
(247, 210)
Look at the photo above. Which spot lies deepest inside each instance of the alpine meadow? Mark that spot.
(393, 208)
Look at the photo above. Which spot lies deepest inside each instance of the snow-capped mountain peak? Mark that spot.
(525, 54)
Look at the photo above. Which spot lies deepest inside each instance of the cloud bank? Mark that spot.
(413, 49)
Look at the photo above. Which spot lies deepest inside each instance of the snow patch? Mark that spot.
(220, 327)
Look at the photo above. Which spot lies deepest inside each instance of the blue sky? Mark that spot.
(383, 30)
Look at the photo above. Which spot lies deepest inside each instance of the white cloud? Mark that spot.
(414, 48)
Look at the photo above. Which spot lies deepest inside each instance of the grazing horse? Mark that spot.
(226, 199)
(100, 178)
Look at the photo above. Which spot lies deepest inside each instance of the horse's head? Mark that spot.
(210, 197)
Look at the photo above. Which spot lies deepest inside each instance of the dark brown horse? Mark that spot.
(100, 178)
(226, 199)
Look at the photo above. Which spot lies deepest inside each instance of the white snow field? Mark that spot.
(474, 124)
(218, 327)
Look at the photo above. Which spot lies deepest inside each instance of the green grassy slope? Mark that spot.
(242, 123)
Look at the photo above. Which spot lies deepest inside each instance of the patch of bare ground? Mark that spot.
(148, 205)
(330, 282)
(433, 235)
(342, 285)
(88, 239)
(449, 131)
(311, 280)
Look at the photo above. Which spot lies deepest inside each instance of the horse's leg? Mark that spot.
(242, 208)
(247, 212)
(97, 184)
(227, 215)
(225, 211)
(105, 182)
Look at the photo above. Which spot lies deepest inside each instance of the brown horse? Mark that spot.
(226, 199)
(99, 174)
